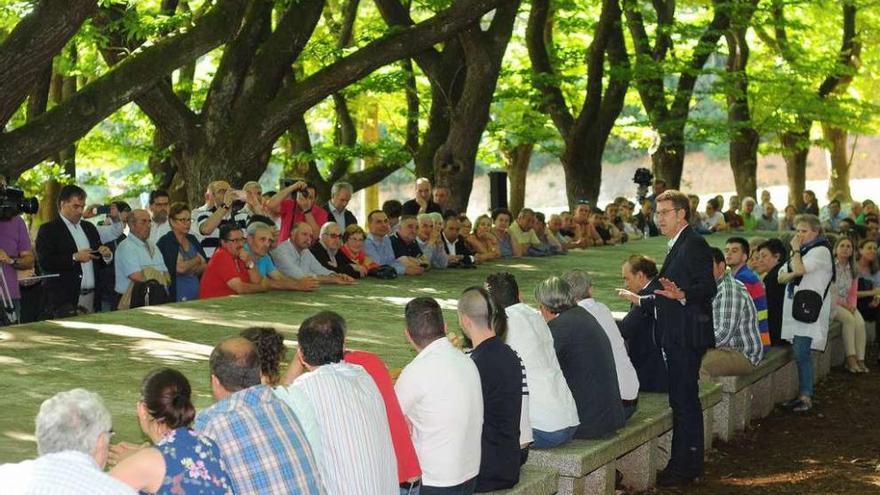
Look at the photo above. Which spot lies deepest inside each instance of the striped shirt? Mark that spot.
(211, 241)
(758, 293)
(262, 443)
(345, 412)
(60, 473)
(735, 318)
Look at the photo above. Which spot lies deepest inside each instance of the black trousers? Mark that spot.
(683, 365)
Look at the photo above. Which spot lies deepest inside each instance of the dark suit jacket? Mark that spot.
(350, 219)
(411, 207)
(343, 264)
(461, 246)
(643, 345)
(689, 265)
(55, 249)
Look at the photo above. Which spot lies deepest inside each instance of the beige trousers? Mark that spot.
(724, 361)
(853, 330)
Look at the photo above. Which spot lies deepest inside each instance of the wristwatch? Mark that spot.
(250, 265)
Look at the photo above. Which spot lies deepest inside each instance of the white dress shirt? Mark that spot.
(551, 405)
(61, 473)
(340, 403)
(441, 396)
(82, 242)
(627, 379)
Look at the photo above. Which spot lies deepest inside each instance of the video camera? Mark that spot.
(643, 177)
(13, 203)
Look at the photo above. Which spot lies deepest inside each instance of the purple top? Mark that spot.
(14, 239)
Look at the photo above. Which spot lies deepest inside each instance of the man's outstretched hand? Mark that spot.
(669, 290)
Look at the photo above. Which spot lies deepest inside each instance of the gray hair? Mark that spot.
(580, 282)
(555, 295)
(436, 217)
(424, 217)
(251, 185)
(72, 420)
(749, 199)
(810, 219)
(327, 226)
(339, 186)
(255, 227)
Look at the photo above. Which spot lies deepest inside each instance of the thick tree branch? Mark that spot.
(545, 78)
(33, 43)
(28, 145)
(397, 15)
(405, 42)
(412, 107)
(344, 134)
(371, 175)
(848, 52)
(38, 100)
(706, 45)
(237, 59)
(648, 70)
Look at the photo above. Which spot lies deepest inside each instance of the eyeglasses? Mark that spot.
(184, 220)
(665, 212)
(334, 236)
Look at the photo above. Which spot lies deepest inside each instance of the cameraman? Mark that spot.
(15, 253)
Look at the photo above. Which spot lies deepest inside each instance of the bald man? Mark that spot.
(294, 259)
(502, 378)
(423, 202)
(264, 446)
(137, 254)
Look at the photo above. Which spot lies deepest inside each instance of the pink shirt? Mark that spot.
(291, 215)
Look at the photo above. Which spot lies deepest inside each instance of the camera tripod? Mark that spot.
(7, 312)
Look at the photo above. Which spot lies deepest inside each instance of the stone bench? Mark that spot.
(638, 450)
(834, 355)
(533, 480)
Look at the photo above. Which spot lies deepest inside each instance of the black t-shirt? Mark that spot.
(401, 248)
(411, 207)
(587, 362)
(775, 298)
(502, 381)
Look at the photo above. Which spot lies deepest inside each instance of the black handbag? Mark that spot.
(807, 304)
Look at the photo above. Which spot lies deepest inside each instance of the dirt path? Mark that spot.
(835, 449)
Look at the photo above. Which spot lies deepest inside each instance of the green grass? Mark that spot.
(109, 353)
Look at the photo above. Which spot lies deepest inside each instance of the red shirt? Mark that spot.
(291, 215)
(407, 460)
(220, 270)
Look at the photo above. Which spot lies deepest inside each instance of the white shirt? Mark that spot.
(82, 242)
(61, 473)
(295, 263)
(441, 397)
(109, 233)
(551, 405)
(348, 419)
(710, 222)
(157, 230)
(627, 379)
(818, 266)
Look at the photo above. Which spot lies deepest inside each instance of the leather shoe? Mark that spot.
(668, 479)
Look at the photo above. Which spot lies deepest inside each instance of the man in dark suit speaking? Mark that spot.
(71, 248)
(683, 307)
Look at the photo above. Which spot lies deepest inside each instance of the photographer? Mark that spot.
(225, 204)
(15, 249)
(298, 210)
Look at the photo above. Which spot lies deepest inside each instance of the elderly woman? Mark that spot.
(353, 249)
(846, 311)
(181, 461)
(184, 257)
(749, 215)
(810, 268)
(585, 358)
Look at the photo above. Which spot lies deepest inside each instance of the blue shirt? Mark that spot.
(132, 256)
(381, 251)
(262, 443)
(265, 265)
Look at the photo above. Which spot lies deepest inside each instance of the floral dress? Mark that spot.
(192, 465)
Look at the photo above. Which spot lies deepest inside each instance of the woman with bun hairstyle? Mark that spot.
(180, 462)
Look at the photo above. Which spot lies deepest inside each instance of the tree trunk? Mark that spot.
(744, 138)
(838, 186)
(62, 89)
(518, 160)
(795, 148)
(668, 160)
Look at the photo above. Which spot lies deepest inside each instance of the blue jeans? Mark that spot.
(804, 360)
(546, 440)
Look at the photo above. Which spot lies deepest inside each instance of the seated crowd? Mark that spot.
(335, 420)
